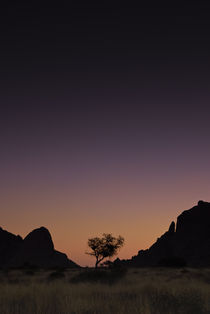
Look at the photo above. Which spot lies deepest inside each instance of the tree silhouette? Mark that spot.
(106, 246)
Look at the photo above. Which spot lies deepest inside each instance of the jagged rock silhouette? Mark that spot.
(189, 241)
(9, 245)
(36, 249)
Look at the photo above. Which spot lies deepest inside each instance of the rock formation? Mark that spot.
(36, 249)
(188, 243)
(9, 245)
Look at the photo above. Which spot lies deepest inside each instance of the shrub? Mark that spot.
(105, 276)
(56, 275)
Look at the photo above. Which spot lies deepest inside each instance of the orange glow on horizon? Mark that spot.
(135, 215)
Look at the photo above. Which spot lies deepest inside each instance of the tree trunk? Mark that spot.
(96, 265)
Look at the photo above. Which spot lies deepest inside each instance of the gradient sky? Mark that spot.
(104, 119)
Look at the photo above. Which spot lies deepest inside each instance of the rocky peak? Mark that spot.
(9, 244)
(39, 239)
(190, 242)
(171, 227)
(203, 204)
(36, 249)
(196, 219)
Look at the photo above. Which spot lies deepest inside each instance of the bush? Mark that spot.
(29, 272)
(56, 275)
(106, 276)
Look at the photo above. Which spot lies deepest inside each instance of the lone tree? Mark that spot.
(104, 247)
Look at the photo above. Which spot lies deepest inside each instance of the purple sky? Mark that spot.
(104, 120)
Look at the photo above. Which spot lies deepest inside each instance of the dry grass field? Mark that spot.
(145, 290)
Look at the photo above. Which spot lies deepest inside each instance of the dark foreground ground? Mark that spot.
(146, 291)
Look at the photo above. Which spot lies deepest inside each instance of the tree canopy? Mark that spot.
(104, 247)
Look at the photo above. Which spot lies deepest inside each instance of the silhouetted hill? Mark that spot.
(188, 242)
(9, 245)
(35, 249)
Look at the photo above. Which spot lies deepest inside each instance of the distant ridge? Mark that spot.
(186, 243)
(36, 249)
